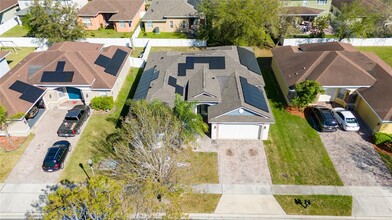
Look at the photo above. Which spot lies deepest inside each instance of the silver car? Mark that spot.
(345, 119)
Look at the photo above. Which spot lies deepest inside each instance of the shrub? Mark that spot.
(102, 103)
(381, 138)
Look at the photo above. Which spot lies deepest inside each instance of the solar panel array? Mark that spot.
(59, 75)
(28, 92)
(253, 96)
(179, 90)
(112, 65)
(144, 84)
(247, 58)
(213, 63)
(173, 82)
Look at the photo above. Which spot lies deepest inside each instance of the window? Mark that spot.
(341, 94)
(305, 3)
(171, 24)
(183, 24)
(149, 24)
(322, 2)
(121, 24)
(86, 22)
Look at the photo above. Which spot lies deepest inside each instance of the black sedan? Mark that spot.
(55, 157)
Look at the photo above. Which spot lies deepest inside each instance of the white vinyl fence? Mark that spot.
(6, 26)
(353, 41)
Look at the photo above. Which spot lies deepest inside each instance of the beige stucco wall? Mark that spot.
(19, 128)
(95, 22)
(165, 26)
(121, 78)
(134, 23)
(279, 77)
(368, 115)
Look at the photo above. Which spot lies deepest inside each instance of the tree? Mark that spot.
(382, 15)
(53, 21)
(306, 93)
(238, 22)
(192, 123)
(352, 22)
(98, 198)
(319, 25)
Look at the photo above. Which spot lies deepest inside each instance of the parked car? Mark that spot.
(324, 118)
(73, 121)
(55, 157)
(345, 119)
(32, 113)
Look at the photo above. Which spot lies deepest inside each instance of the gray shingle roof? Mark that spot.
(162, 9)
(204, 84)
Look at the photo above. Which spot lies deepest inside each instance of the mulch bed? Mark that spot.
(294, 111)
(16, 142)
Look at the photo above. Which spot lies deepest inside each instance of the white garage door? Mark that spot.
(238, 131)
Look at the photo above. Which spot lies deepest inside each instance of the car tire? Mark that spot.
(62, 165)
(78, 131)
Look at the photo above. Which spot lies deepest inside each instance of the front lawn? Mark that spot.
(166, 35)
(98, 127)
(319, 205)
(17, 31)
(107, 33)
(10, 159)
(18, 55)
(203, 167)
(294, 150)
(385, 53)
(200, 203)
(387, 159)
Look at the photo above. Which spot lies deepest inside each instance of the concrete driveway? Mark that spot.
(242, 162)
(28, 169)
(355, 159)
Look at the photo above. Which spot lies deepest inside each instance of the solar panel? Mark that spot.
(213, 63)
(253, 96)
(116, 62)
(60, 66)
(102, 61)
(49, 76)
(32, 94)
(144, 84)
(172, 81)
(179, 90)
(247, 58)
(19, 86)
(182, 69)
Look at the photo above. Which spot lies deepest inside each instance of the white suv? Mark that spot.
(345, 119)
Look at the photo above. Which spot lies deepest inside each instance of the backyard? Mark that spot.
(17, 55)
(170, 35)
(294, 150)
(17, 31)
(107, 33)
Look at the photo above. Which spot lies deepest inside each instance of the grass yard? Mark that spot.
(200, 203)
(385, 53)
(9, 159)
(294, 150)
(203, 167)
(98, 127)
(16, 56)
(167, 35)
(136, 51)
(320, 205)
(107, 33)
(17, 31)
(387, 160)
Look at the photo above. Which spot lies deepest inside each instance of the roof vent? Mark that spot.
(304, 68)
(295, 73)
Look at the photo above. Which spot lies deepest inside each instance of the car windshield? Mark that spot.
(351, 120)
(50, 163)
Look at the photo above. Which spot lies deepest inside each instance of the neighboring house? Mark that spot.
(171, 16)
(23, 4)
(122, 15)
(4, 68)
(225, 82)
(307, 9)
(8, 8)
(66, 71)
(356, 80)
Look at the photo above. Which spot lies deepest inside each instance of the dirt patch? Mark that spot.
(253, 152)
(295, 111)
(383, 148)
(229, 153)
(12, 145)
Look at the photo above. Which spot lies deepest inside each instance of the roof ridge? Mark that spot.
(75, 66)
(315, 64)
(95, 73)
(357, 66)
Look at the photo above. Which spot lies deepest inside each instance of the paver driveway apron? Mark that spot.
(355, 159)
(28, 169)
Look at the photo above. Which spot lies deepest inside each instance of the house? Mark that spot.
(307, 9)
(122, 15)
(66, 71)
(225, 82)
(356, 80)
(24, 4)
(4, 68)
(171, 16)
(8, 8)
